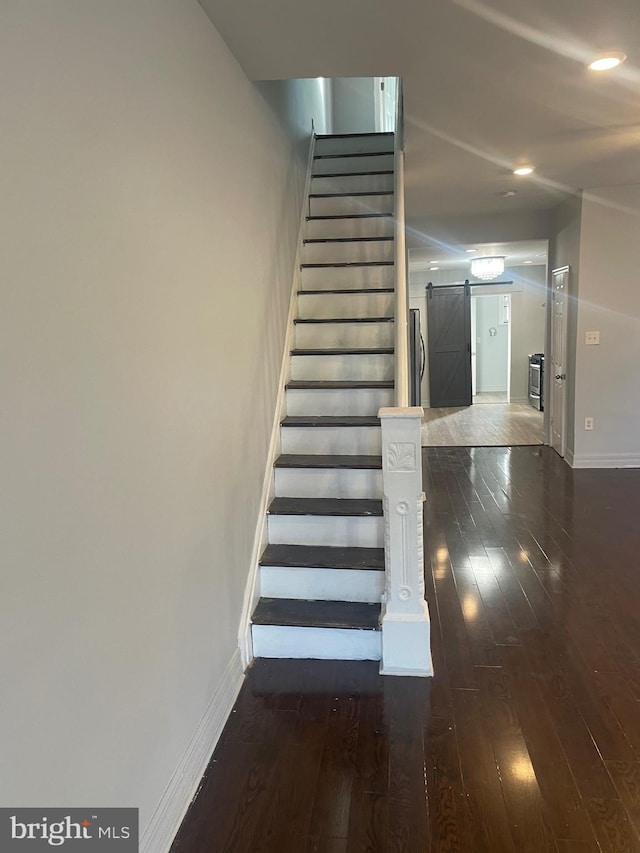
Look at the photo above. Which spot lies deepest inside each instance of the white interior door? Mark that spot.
(556, 370)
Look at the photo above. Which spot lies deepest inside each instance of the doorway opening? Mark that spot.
(479, 337)
(490, 348)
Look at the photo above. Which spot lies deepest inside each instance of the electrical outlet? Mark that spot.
(588, 423)
(592, 339)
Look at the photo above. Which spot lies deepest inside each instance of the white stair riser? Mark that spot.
(342, 367)
(320, 278)
(328, 483)
(373, 335)
(319, 305)
(374, 226)
(340, 165)
(321, 584)
(346, 144)
(342, 440)
(344, 205)
(351, 183)
(357, 251)
(275, 641)
(338, 401)
(347, 531)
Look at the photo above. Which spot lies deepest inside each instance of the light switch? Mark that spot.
(592, 338)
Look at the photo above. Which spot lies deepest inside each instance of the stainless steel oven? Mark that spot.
(536, 380)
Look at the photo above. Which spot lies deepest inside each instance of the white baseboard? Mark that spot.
(252, 588)
(165, 821)
(606, 460)
(568, 457)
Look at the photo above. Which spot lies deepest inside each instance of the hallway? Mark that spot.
(528, 737)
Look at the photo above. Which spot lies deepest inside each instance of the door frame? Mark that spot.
(560, 272)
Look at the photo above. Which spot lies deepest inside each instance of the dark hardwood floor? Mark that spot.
(527, 739)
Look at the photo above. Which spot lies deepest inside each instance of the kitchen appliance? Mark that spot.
(416, 356)
(536, 380)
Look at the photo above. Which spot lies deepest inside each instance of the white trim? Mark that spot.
(252, 588)
(568, 456)
(166, 819)
(605, 460)
(549, 369)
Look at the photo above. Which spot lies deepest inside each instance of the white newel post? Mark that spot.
(406, 642)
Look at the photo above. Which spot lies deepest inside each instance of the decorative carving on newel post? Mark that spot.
(406, 646)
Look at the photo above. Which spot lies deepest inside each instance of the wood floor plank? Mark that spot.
(369, 821)
(480, 775)
(524, 803)
(290, 799)
(626, 778)
(332, 802)
(564, 810)
(406, 711)
(449, 818)
(613, 829)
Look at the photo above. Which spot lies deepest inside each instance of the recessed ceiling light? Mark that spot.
(523, 170)
(433, 269)
(471, 250)
(607, 61)
(527, 262)
(508, 194)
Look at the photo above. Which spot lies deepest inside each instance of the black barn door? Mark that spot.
(449, 324)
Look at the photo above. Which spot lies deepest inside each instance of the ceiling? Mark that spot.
(487, 86)
(522, 252)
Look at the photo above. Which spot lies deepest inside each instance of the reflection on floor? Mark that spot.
(492, 425)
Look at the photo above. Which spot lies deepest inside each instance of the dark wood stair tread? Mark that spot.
(352, 154)
(354, 135)
(348, 264)
(320, 384)
(355, 174)
(345, 351)
(361, 507)
(357, 193)
(350, 290)
(323, 557)
(330, 421)
(344, 320)
(349, 240)
(317, 614)
(349, 216)
(328, 460)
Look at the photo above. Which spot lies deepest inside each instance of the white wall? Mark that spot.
(353, 105)
(510, 226)
(297, 103)
(528, 324)
(609, 302)
(150, 211)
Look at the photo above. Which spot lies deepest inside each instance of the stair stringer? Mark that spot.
(252, 586)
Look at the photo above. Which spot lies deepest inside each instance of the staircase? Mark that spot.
(321, 577)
